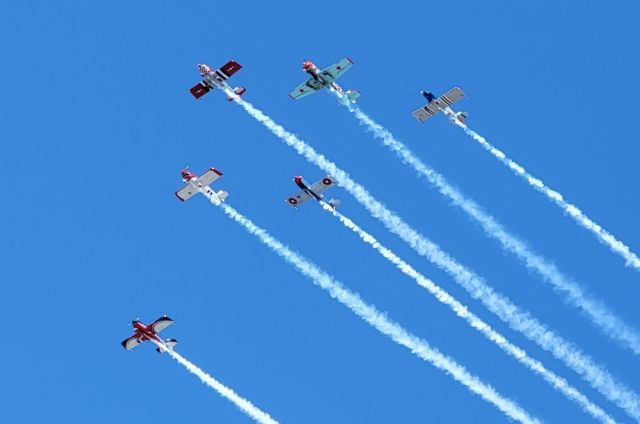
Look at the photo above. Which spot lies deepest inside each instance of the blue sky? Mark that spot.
(96, 122)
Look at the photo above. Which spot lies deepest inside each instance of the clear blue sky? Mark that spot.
(96, 122)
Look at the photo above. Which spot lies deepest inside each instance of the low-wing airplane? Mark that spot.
(312, 192)
(441, 104)
(195, 184)
(324, 79)
(144, 333)
(216, 78)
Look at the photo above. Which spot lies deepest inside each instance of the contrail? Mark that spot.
(603, 235)
(242, 404)
(474, 321)
(597, 312)
(519, 320)
(378, 320)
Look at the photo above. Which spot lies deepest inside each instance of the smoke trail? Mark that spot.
(242, 404)
(474, 321)
(599, 314)
(378, 320)
(519, 320)
(603, 235)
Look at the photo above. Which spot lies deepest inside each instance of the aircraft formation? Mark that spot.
(318, 80)
(326, 78)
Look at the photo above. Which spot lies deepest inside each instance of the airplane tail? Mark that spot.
(334, 203)
(239, 91)
(462, 116)
(169, 343)
(352, 95)
(222, 195)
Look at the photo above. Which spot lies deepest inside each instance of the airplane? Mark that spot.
(312, 192)
(217, 78)
(144, 333)
(324, 79)
(441, 104)
(195, 184)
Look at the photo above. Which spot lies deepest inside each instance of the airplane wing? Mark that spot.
(308, 87)
(446, 100)
(131, 342)
(426, 112)
(322, 185)
(210, 176)
(186, 192)
(199, 90)
(298, 199)
(336, 70)
(450, 97)
(161, 323)
(230, 68)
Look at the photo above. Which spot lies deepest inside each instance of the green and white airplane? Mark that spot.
(325, 78)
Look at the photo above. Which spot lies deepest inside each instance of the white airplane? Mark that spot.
(312, 192)
(216, 78)
(441, 104)
(324, 79)
(195, 184)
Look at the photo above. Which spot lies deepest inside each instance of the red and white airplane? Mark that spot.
(144, 333)
(312, 192)
(196, 184)
(217, 78)
(325, 78)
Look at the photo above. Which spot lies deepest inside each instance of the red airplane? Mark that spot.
(213, 78)
(144, 333)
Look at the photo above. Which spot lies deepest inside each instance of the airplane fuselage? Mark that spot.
(315, 73)
(213, 78)
(450, 113)
(146, 332)
(300, 183)
(195, 183)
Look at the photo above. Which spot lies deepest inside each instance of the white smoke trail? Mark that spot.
(598, 313)
(519, 320)
(242, 404)
(378, 320)
(603, 235)
(474, 321)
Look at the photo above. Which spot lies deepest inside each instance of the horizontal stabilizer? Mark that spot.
(239, 91)
(353, 95)
(168, 344)
(222, 195)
